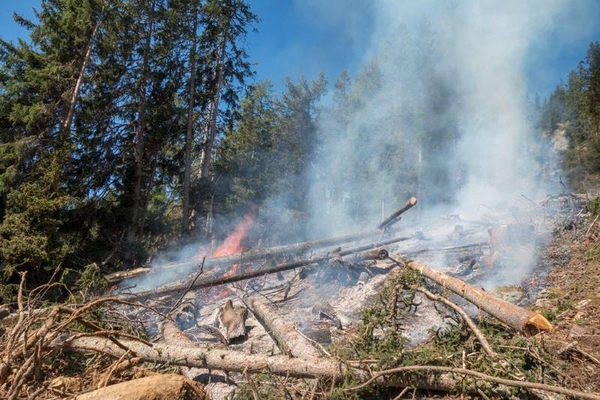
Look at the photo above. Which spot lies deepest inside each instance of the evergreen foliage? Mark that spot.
(573, 110)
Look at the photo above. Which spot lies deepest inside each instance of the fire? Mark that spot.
(233, 243)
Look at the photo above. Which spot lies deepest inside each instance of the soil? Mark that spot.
(571, 300)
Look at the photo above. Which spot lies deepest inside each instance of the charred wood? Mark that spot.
(233, 320)
(395, 217)
(225, 278)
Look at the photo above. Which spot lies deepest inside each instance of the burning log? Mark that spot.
(518, 318)
(379, 254)
(251, 256)
(395, 217)
(288, 340)
(225, 278)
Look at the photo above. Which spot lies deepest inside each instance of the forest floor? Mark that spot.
(571, 300)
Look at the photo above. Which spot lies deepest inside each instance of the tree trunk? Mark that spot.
(189, 136)
(66, 125)
(211, 128)
(518, 318)
(226, 360)
(133, 229)
(286, 336)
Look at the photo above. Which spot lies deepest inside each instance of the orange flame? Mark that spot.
(233, 243)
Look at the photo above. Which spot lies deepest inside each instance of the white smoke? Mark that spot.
(479, 54)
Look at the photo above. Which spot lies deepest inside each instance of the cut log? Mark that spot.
(119, 276)
(395, 217)
(518, 318)
(156, 387)
(285, 335)
(421, 377)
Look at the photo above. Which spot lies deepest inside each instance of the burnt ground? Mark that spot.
(570, 299)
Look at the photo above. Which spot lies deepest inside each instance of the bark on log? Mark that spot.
(520, 319)
(119, 276)
(156, 387)
(173, 336)
(395, 217)
(286, 336)
(225, 278)
(226, 360)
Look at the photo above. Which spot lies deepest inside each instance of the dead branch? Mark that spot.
(121, 275)
(395, 217)
(377, 378)
(484, 343)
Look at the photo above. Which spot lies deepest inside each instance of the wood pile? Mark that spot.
(261, 324)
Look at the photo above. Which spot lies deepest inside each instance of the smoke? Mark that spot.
(439, 109)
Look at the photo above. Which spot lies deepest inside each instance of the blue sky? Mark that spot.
(303, 37)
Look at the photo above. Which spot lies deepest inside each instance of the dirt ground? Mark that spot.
(571, 300)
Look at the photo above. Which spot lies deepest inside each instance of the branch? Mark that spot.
(484, 343)
(481, 376)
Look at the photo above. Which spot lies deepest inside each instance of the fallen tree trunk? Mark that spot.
(173, 336)
(226, 360)
(395, 217)
(518, 318)
(430, 377)
(286, 336)
(225, 278)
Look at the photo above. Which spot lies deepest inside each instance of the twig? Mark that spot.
(484, 343)
(178, 302)
(252, 385)
(593, 222)
(402, 393)
(112, 369)
(481, 376)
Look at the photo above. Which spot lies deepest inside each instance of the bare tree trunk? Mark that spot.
(211, 129)
(66, 125)
(133, 229)
(189, 136)
(514, 316)
(287, 338)
(226, 360)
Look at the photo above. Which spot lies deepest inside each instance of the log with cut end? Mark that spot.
(395, 217)
(287, 338)
(516, 317)
(121, 275)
